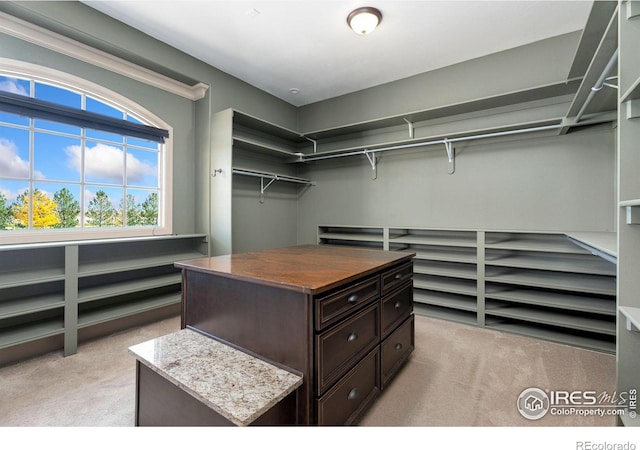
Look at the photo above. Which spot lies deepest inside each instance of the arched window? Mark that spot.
(75, 161)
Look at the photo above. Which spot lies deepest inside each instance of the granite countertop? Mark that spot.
(238, 386)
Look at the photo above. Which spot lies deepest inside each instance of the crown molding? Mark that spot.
(42, 37)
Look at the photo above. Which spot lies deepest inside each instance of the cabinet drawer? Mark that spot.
(338, 348)
(350, 396)
(332, 308)
(396, 349)
(395, 277)
(396, 307)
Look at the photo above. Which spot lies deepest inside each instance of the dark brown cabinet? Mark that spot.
(340, 317)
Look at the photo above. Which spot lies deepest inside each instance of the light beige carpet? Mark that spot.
(457, 376)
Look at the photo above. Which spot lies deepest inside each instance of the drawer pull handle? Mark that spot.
(398, 276)
(398, 346)
(353, 394)
(398, 304)
(353, 298)
(352, 337)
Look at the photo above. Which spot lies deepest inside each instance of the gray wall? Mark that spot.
(539, 64)
(545, 183)
(191, 120)
(553, 183)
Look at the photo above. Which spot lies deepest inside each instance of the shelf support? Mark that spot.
(315, 144)
(632, 316)
(263, 188)
(451, 155)
(411, 129)
(633, 215)
(633, 109)
(373, 160)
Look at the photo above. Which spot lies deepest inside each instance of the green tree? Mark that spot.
(43, 214)
(68, 209)
(134, 213)
(149, 211)
(100, 212)
(5, 213)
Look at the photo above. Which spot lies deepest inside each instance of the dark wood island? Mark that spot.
(341, 317)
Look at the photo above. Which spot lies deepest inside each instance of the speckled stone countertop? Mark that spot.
(238, 386)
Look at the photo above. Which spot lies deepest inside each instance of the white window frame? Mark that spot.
(21, 69)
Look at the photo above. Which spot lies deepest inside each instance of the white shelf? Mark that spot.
(444, 299)
(22, 306)
(596, 284)
(446, 254)
(543, 261)
(442, 284)
(127, 287)
(36, 276)
(446, 269)
(632, 314)
(31, 332)
(600, 244)
(552, 299)
(256, 145)
(92, 268)
(553, 336)
(550, 317)
(448, 241)
(118, 311)
(533, 244)
(444, 313)
(351, 237)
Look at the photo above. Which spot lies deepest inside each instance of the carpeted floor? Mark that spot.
(458, 376)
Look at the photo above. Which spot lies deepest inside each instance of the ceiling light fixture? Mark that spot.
(364, 20)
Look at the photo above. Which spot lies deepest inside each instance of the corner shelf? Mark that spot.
(604, 244)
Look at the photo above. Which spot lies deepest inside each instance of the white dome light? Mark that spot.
(364, 20)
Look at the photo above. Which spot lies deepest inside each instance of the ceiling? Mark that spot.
(281, 45)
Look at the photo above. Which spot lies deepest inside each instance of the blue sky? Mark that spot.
(58, 156)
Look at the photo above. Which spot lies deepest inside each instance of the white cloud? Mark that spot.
(10, 195)
(106, 162)
(13, 87)
(11, 164)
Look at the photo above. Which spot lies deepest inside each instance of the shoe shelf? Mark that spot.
(536, 284)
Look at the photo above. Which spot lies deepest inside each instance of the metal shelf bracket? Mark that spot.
(315, 144)
(411, 129)
(373, 160)
(451, 155)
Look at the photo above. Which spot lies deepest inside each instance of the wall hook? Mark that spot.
(216, 172)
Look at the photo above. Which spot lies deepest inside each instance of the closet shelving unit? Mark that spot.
(445, 271)
(628, 348)
(532, 283)
(55, 295)
(250, 153)
(32, 292)
(544, 285)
